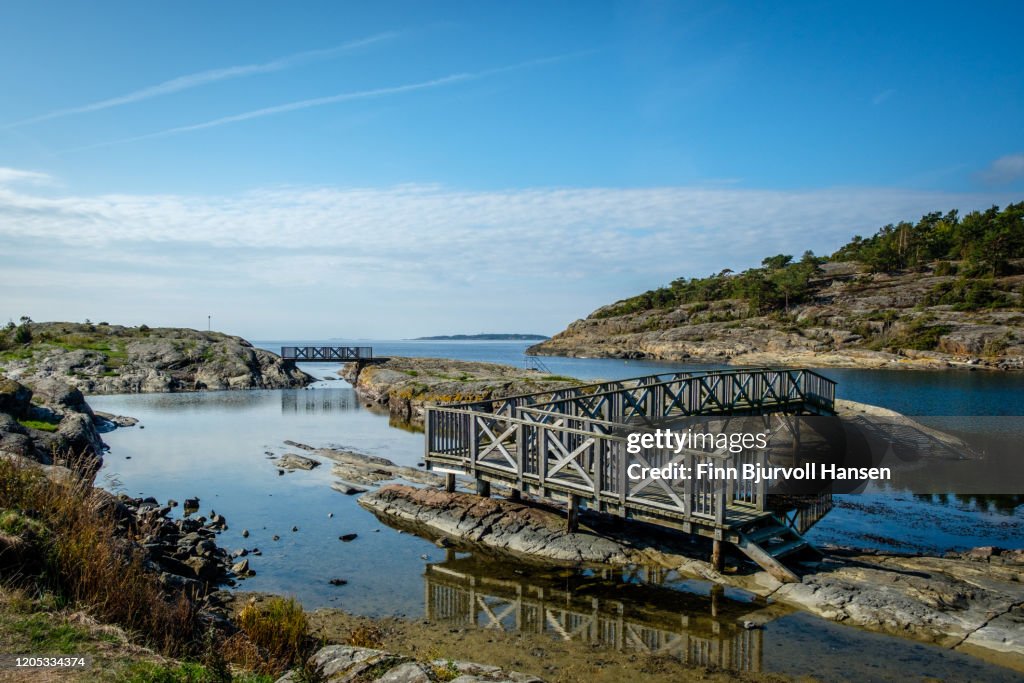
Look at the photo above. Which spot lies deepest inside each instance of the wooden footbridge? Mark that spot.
(571, 445)
(326, 354)
(632, 612)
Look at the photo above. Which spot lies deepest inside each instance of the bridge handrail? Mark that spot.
(616, 384)
(827, 397)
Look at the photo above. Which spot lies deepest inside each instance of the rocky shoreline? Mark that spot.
(112, 359)
(405, 385)
(972, 601)
(851, 318)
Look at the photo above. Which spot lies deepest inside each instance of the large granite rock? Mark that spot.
(109, 359)
(348, 664)
(47, 421)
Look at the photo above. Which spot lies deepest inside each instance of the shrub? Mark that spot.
(22, 334)
(279, 629)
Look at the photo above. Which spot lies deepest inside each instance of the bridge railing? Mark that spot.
(723, 392)
(326, 354)
(585, 457)
(705, 391)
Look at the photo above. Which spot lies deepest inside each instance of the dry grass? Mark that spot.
(366, 635)
(87, 563)
(274, 635)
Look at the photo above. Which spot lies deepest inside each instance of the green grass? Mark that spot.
(39, 424)
(42, 633)
(148, 672)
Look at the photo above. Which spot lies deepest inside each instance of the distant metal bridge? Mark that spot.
(326, 354)
(570, 445)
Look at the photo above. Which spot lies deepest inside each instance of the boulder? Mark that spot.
(293, 461)
(15, 398)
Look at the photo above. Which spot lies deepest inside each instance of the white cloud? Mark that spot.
(409, 259)
(12, 175)
(1005, 169)
(206, 77)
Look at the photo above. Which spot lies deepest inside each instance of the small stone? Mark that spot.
(294, 529)
(348, 537)
(337, 582)
(330, 514)
(245, 533)
(276, 538)
(172, 503)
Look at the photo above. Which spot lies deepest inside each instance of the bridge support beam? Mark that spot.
(483, 488)
(516, 495)
(573, 513)
(716, 555)
(449, 482)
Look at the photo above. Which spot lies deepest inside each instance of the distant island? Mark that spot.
(485, 337)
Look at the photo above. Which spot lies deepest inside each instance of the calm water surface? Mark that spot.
(214, 445)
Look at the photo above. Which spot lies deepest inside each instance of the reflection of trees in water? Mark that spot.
(323, 401)
(1006, 504)
(622, 609)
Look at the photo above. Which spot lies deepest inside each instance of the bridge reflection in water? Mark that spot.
(621, 609)
(321, 401)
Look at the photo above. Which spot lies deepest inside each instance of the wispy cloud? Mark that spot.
(206, 77)
(335, 99)
(1005, 169)
(14, 175)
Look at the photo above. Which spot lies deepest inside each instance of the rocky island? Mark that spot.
(113, 359)
(944, 292)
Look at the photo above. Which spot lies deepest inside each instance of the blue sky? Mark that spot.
(391, 169)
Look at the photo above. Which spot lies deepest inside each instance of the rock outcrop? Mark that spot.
(345, 663)
(111, 359)
(529, 532)
(404, 385)
(851, 319)
(47, 422)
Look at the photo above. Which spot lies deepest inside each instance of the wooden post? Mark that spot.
(716, 555)
(573, 513)
(449, 482)
(516, 495)
(483, 488)
(717, 591)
